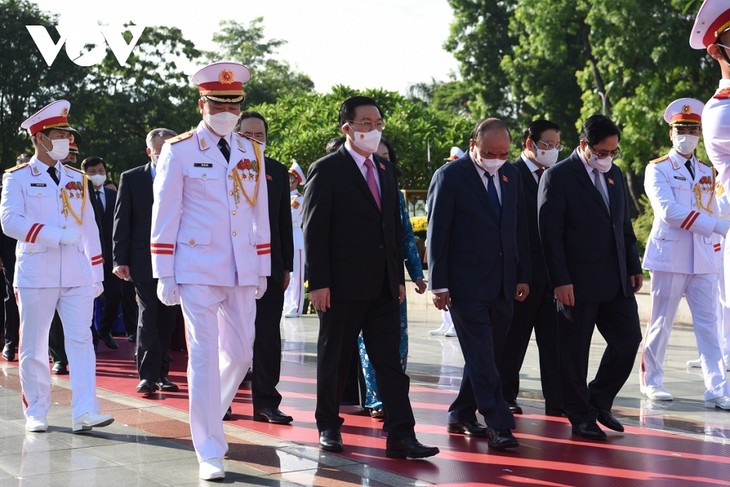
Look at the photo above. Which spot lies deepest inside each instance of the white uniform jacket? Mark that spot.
(685, 214)
(297, 212)
(716, 134)
(35, 211)
(205, 229)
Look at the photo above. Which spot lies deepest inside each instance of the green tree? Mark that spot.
(271, 79)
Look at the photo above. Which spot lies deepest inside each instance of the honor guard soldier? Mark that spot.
(294, 295)
(211, 250)
(680, 254)
(711, 31)
(46, 207)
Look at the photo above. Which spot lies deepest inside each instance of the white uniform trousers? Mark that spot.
(220, 333)
(700, 291)
(294, 294)
(75, 307)
(723, 318)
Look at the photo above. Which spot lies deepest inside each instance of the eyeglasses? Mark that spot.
(546, 146)
(602, 153)
(369, 124)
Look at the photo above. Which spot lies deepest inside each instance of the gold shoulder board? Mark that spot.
(659, 159)
(705, 163)
(178, 138)
(20, 166)
(74, 169)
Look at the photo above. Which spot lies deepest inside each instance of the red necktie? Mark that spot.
(371, 181)
(539, 172)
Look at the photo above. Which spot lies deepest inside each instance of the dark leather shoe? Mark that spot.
(330, 440)
(470, 428)
(60, 369)
(514, 407)
(9, 352)
(609, 420)
(109, 341)
(146, 387)
(409, 448)
(557, 412)
(229, 414)
(132, 338)
(501, 439)
(165, 385)
(589, 431)
(271, 415)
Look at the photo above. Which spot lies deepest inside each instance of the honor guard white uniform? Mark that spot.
(210, 242)
(294, 294)
(680, 253)
(58, 267)
(713, 20)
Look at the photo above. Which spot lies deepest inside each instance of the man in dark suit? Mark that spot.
(593, 264)
(133, 261)
(267, 344)
(541, 145)
(353, 245)
(478, 260)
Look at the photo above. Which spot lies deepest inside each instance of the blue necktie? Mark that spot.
(492, 195)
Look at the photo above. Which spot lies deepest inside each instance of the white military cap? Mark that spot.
(684, 111)
(297, 172)
(222, 81)
(52, 116)
(455, 153)
(713, 19)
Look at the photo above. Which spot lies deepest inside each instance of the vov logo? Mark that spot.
(86, 44)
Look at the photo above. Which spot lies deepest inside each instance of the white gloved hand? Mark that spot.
(168, 291)
(722, 227)
(261, 287)
(70, 236)
(98, 288)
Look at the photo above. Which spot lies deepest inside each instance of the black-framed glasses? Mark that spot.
(546, 146)
(602, 153)
(369, 124)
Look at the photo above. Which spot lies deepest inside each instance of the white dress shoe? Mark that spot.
(36, 425)
(211, 469)
(87, 421)
(696, 363)
(451, 332)
(440, 330)
(722, 402)
(659, 393)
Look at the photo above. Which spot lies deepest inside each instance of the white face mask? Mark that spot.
(685, 143)
(59, 149)
(98, 179)
(489, 165)
(602, 165)
(546, 158)
(367, 141)
(221, 123)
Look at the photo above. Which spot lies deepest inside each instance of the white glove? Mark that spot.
(70, 236)
(168, 291)
(98, 288)
(721, 227)
(261, 287)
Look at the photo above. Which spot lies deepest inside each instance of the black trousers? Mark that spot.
(11, 316)
(536, 312)
(114, 296)
(267, 347)
(481, 327)
(155, 326)
(379, 320)
(56, 340)
(618, 322)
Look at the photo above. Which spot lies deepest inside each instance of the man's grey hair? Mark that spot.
(159, 132)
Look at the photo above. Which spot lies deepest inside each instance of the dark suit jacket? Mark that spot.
(467, 244)
(537, 258)
(133, 222)
(351, 246)
(106, 216)
(282, 239)
(584, 245)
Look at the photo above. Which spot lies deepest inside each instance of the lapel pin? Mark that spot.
(505, 179)
(610, 181)
(381, 166)
(269, 178)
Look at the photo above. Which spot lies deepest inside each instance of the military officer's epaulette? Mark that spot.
(15, 168)
(659, 159)
(74, 169)
(722, 94)
(705, 163)
(250, 138)
(178, 138)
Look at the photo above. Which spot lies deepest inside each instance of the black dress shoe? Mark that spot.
(60, 368)
(271, 415)
(165, 385)
(132, 338)
(589, 431)
(228, 414)
(501, 439)
(330, 440)
(609, 420)
(146, 387)
(9, 352)
(470, 428)
(109, 341)
(514, 407)
(558, 412)
(409, 448)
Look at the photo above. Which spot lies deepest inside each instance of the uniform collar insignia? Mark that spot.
(202, 143)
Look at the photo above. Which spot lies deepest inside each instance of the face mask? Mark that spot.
(59, 149)
(546, 158)
(221, 123)
(367, 141)
(98, 179)
(684, 143)
(602, 165)
(489, 165)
